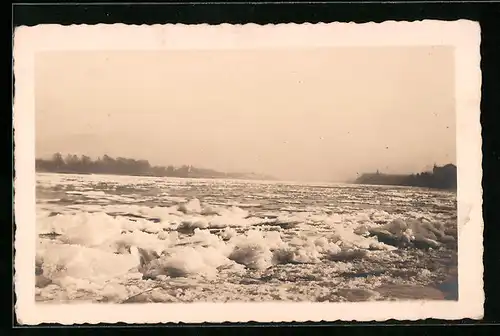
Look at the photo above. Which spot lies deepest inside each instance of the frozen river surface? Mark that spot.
(145, 239)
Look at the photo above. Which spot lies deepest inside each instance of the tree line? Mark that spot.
(119, 166)
(444, 177)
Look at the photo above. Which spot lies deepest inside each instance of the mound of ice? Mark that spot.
(202, 254)
(148, 242)
(347, 255)
(420, 234)
(253, 255)
(59, 261)
(228, 233)
(188, 261)
(164, 213)
(189, 224)
(306, 250)
(306, 254)
(233, 211)
(206, 239)
(380, 216)
(233, 217)
(86, 229)
(210, 210)
(353, 237)
(193, 206)
(229, 217)
(171, 237)
(254, 249)
(194, 215)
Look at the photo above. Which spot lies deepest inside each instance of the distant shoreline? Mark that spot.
(73, 164)
(444, 178)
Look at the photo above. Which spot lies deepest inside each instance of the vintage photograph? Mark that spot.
(246, 175)
(315, 174)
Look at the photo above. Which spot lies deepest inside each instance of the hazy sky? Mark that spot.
(311, 114)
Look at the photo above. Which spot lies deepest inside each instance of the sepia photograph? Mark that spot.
(290, 174)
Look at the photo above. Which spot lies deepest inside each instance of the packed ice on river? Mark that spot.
(121, 239)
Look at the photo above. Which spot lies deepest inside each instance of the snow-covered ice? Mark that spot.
(142, 239)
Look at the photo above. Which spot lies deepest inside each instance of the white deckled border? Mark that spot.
(463, 35)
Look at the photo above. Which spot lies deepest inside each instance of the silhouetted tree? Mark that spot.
(170, 171)
(58, 161)
(86, 163)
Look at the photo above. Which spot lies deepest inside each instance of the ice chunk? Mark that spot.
(193, 206)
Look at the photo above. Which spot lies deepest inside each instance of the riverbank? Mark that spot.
(444, 177)
(107, 165)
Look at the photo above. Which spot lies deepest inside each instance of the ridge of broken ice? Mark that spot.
(95, 247)
(237, 238)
